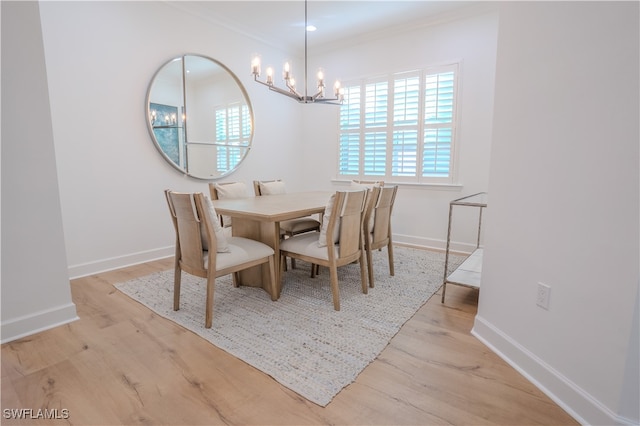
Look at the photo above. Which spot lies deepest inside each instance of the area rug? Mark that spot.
(300, 340)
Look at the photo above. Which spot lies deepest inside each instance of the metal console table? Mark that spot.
(468, 273)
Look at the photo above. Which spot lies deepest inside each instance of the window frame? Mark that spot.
(392, 127)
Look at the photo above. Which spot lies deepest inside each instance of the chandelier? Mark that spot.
(291, 91)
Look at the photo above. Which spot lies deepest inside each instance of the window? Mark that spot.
(233, 130)
(400, 127)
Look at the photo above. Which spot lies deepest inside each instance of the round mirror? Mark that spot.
(199, 116)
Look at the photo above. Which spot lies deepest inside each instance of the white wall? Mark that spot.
(564, 204)
(100, 58)
(35, 283)
(420, 213)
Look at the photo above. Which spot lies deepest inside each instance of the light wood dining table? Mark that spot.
(259, 218)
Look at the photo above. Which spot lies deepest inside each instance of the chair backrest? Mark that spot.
(380, 207)
(268, 187)
(347, 213)
(217, 191)
(213, 189)
(369, 183)
(191, 225)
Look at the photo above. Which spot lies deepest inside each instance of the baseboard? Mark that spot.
(570, 397)
(40, 321)
(109, 264)
(433, 244)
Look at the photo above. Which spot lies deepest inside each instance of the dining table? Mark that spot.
(259, 217)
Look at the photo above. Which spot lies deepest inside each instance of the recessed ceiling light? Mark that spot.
(311, 27)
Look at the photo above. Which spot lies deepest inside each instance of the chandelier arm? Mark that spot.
(292, 89)
(277, 89)
(317, 95)
(290, 94)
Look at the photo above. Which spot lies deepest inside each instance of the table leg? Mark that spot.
(265, 232)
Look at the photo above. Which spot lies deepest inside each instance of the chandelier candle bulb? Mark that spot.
(255, 66)
(270, 76)
(287, 71)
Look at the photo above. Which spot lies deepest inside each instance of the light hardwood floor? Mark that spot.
(121, 364)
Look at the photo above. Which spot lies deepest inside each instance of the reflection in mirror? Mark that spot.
(199, 116)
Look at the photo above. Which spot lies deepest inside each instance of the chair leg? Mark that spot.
(177, 276)
(272, 278)
(363, 273)
(315, 270)
(282, 263)
(370, 266)
(390, 252)
(335, 290)
(208, 316)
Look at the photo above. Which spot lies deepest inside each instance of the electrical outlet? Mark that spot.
(544, 294)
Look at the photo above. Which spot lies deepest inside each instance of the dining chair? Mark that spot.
(338, 243)
(203, 250)
(225, 190)
(288, 228)
(377, 225)
(367, 183)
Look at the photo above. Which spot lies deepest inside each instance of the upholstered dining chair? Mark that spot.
(377, 225)
(338, 243)
(203, 250)
(288, 228)
(367, 183)
(223, 190)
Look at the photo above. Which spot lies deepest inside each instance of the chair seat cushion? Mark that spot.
(295, 226)
(307, 244)
(241, 250)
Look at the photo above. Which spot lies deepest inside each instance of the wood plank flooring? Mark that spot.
(121, 364)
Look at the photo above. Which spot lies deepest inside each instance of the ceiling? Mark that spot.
(281, 23)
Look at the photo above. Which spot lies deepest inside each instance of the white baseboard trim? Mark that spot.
(433, 244)
(570, 397)
(109, 264)
(27, 325)
(103, 265)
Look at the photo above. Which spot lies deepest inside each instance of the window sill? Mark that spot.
(435, 186)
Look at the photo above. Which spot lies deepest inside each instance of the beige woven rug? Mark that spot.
(300, 340)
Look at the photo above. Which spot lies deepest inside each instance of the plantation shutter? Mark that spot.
(400, 127)
(221, 125)
(438, 123)
(349, 155)
(406, 105)
(375, 122)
